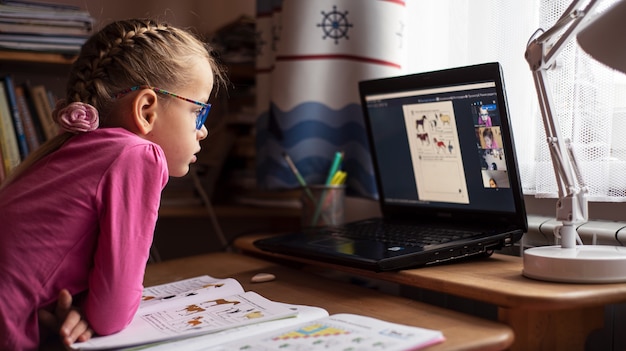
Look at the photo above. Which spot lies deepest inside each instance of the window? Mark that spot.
(589, 98)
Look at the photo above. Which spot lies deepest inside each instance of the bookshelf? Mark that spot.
(29, 71)
(35, 67)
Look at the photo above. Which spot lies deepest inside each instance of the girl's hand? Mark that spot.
(66, 320)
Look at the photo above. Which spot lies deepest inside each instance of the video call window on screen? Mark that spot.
(489, 144)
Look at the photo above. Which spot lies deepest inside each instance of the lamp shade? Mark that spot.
(604, 38)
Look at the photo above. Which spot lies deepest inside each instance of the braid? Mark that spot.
(129, 53)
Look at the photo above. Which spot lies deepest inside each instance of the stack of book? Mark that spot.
(25, 121)
(39, 26)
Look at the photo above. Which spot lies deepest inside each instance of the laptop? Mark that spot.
(446, 172)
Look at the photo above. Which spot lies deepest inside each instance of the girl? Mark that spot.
(488, 139)
(485, 119)
(81, 211)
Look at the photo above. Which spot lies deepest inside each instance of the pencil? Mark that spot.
(299, 177)
(339, 178)
(331, 173)
(334, 167)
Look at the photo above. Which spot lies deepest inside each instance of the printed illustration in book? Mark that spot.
(340, 332)
(191, 307)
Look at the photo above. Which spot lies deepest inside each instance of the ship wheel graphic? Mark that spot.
(335, 25)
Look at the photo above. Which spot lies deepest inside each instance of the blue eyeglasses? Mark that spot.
(202, 114)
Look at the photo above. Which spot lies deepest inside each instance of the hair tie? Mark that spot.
(78, 117)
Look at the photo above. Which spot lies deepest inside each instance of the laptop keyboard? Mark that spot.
(404, 235)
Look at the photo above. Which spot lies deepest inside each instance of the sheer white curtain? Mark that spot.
(590, 99)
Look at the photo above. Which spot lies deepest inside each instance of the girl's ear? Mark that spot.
(144, 110)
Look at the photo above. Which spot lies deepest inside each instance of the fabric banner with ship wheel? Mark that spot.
(311, 56)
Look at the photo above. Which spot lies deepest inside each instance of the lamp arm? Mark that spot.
(541, 54)
(572, 191)
(573, 17)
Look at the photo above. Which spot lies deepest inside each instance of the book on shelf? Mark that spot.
(40, 26)
(31, 127)
(43, 27)
(40, 101)
(3, 174)
(25, 120)
(42, 39)
(44, 11)
(8, 135)
(205, 313)
(48, 47)
(18, 121)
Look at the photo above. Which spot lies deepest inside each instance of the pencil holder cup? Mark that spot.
(323, 205)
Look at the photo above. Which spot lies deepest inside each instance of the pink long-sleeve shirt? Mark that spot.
(82, 218)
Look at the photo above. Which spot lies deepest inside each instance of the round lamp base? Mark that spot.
(581, 264)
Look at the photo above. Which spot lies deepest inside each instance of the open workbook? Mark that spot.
(205, 313)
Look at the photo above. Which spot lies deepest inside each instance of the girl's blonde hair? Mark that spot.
(121, 55)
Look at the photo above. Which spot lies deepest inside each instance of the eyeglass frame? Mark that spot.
(202, 114)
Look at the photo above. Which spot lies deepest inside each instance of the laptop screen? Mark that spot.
(441, 143)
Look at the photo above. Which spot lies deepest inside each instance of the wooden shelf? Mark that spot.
(36, 57)
(230, 211)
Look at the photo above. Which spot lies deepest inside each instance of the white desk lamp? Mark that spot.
(604, 38)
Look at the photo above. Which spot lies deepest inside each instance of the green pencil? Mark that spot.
(331, 173)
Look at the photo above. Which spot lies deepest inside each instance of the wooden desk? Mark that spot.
(543, 315)
(462, 332)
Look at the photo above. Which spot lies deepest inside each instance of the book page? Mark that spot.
(203, 285)
(340, 332)
(189, 316)
(198, 343)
